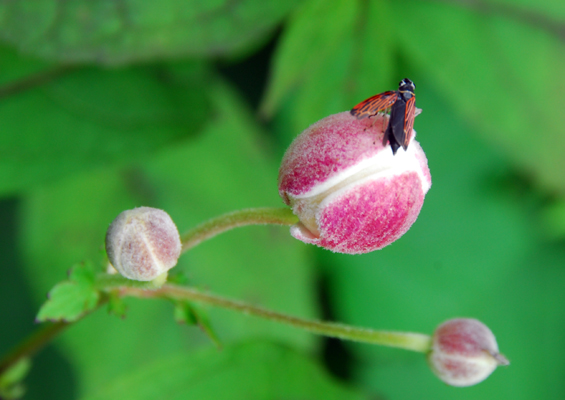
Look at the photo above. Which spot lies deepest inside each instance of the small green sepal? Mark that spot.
(116, 305)
(188, 313)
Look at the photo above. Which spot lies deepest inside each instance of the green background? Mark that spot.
(188, 106)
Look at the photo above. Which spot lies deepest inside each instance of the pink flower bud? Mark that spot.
(464, 352)
(351, 194)
(143, 243)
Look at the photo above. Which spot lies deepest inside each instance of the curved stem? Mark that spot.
(32, 344)
(405, 340)
(251, 216)
(279, 216)
(207, 230)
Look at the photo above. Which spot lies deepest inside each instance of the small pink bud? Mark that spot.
(143, 243)
(464, 352)
(351, 194)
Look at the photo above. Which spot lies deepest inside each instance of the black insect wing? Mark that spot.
(394, 132)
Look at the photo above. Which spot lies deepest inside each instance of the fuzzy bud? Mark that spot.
(143, 243)
(464, 352)
(350, 192)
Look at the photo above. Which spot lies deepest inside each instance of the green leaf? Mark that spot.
(66, 122)
(554, 219)
(69, 300)
(475, 251)
(249, 371)
(111, 32)
(315, 34)
(14, 68)
(225, 168)
(501, 73)
(349, 57)
(11, 386)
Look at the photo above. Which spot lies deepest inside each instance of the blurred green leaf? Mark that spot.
(554, 219)
(256, 371)
(332, 56)
(11, 386)
(229, 168)
(475, 251)
(15, 68)
(224, 168)
(497, 62)
(70, 299)
(499, 66)
(315, 34)
(92, 117)
(113, 32)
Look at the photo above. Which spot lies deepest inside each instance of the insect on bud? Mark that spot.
(351, 193)
(464, 352)
(143, 243)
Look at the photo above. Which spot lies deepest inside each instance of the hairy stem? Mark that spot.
(47, 332)
(278, 216)
(405, 340)
(235, 219)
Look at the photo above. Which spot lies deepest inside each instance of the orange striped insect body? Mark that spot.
(402, 105)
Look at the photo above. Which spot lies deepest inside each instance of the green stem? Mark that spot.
(41, 337)
(279, 216)
(251, 216)
(32, 344)
(207, 230)
(405, 340)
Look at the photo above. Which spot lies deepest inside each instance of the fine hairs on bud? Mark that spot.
(351, 193)
(464, 352)
(143, 243)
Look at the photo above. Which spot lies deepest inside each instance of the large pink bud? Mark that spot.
(351, 194)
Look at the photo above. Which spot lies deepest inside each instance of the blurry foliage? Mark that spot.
(114, 104)
(251, 370)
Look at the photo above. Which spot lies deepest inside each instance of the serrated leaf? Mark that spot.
(258, 371)
(83, 274)
(69, 300)
(111, 32)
